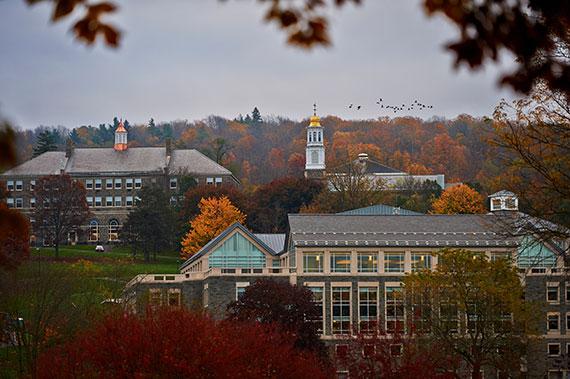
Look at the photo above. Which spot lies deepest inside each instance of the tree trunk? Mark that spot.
(476, 374)
(56, 245)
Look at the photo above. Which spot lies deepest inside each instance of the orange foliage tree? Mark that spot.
(216, 214)
(460, 199)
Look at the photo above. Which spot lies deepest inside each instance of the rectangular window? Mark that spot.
(449, 316)
(174, 297)
(109, 183)
(129, 201)
(568, 292)
(138, 183)
(394, 262)
(33, 202)
(129, 183)
(553, 349)
(319, 301)
(109, 201)
(340, 262)
(89, 184)
(10, 202)
(19, 202)
(498, 255)
(89, 201)
(340, 310)
(98, 184)
(368, 262)
(155, 297)
(19, 185)
(567, 323)
(421, 261)
(118, 201)
(240, 289)
(118, 183)
(394, 310)
(218, 181)
(32, 185)
(553, 322)
(98, 201)
(368, 309)
(552, 292)
(209, 180)
(312, 262)
(173, 183)
(10, 185)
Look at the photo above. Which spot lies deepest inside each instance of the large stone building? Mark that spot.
(112, 177)
(354, 264)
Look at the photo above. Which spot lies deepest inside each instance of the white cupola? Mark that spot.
(315, 151)
(121, 137)
(504, 201)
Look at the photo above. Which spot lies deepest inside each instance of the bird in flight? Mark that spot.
(350, 106)
(358, 107)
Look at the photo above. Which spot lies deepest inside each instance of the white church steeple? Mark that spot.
(315, 151)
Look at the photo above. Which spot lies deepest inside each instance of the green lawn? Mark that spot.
(115, 262)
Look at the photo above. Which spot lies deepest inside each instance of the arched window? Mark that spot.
(113, 230)
(93, 230)
(310, 136)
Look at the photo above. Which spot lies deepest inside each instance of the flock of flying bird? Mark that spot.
(396, 108)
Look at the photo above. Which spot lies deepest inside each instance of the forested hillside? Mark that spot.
(259, 150)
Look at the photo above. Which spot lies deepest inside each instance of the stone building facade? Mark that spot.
(113, 178)
(354, 264)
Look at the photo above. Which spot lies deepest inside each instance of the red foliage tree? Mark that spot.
(179, 344)
(393, 357)
(273, 302)
(14, 235)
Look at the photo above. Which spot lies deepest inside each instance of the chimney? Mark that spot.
(68, 148)
(168, 147)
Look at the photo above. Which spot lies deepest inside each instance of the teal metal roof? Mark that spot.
(380, 210)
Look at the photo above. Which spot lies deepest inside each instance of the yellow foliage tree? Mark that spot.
(216, 214)
(460, 199)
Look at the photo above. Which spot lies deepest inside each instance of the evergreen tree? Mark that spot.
(151, 226)
(74, 136)
(126, 124)
(46, 141)
(256, 116)
(247, 119)
(151, 123)
(115, 123)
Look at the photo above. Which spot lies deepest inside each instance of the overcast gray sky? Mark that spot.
(187, 59)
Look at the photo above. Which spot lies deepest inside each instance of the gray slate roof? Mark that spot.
(275, 241)
(108, 160)
(397, 231)
(49, 163)
(380, 210)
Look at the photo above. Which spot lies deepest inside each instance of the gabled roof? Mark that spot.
(275, 241)
(215, 241)
(368, 166)
(503, 193)
(379, 210)
(196, 161)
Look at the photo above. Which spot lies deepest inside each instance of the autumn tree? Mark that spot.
(460, 199)
(216, 214)
(219, 150)
(156, 345)
(291, 307)
(472, 308)
(400, 356)
(349, 187)
(272, 202)
(14, 235)
(151, 226)
(61, 208)
(532, 140)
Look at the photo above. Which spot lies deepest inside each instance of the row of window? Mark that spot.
(116, 183)
(18, 185)
(313, 262)
(111, 201)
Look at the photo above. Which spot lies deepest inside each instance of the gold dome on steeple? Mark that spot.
(315, 120)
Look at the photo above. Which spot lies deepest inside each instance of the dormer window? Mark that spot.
(504, 201)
